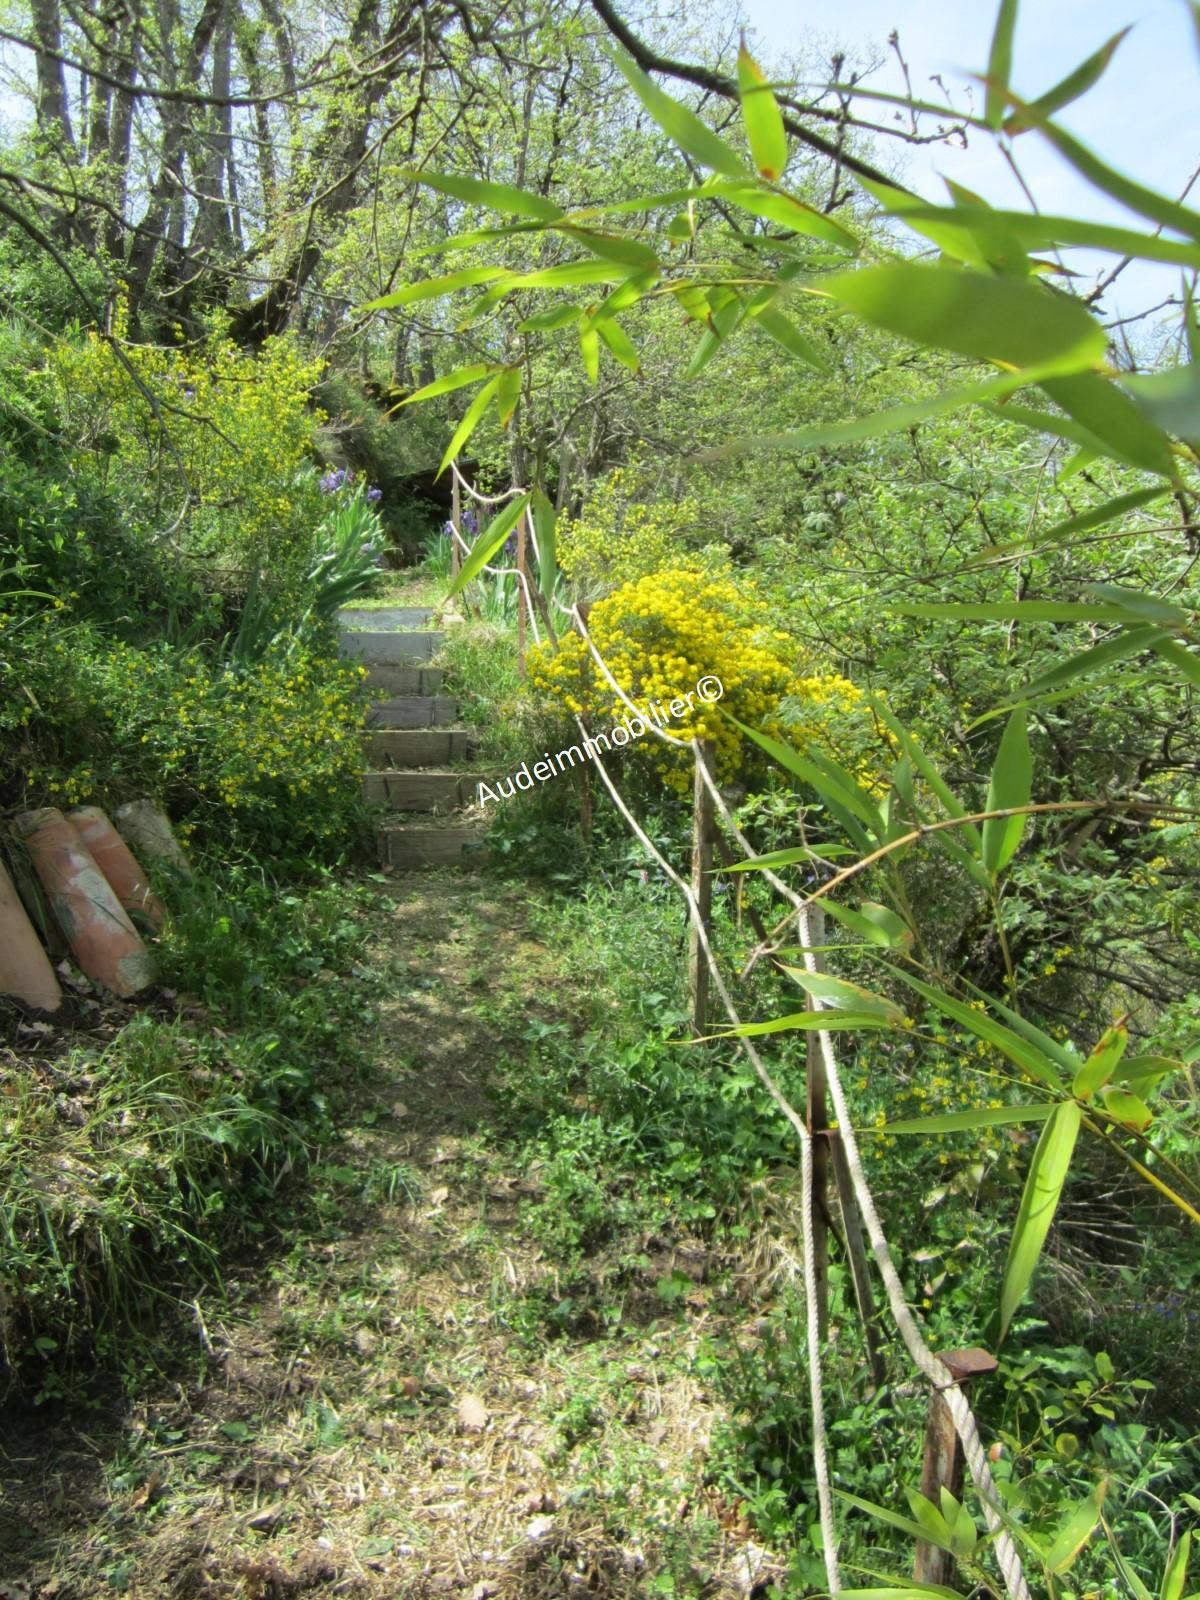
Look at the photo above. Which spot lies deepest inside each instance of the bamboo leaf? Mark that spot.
(1021, 611)
(1171, 399)
(893, 1519)
(1022, 324)
(488, 542)
(964, 231)
(1142, 1074)
(493, 196)
(980, 1117)
(550, 321)
(627, 252)
(1039, 1202)
(545, 523)
(1112, 417)
(453, 380)
(570, 274)
(434, 288)
(470, 422)
(1130, 642)
(1101, 1064)
(787, 210)
(832, 784)
(508, 394)
(589, 349)
(1187, 661)
(760, 113)
(820, 1021)
(1110, 511)
(618, 342)
(1146, 607)
(1075, 1530)
(843, 996)
(1021, 1051)
(1175, 1573)
(1076, 83)
(876, 923)
(785, 332)
(681, 125)
(1011, 780)
(1127, 1109)
(1000, 59)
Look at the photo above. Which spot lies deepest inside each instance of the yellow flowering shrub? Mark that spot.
(240, 421)
(265, 758)
(662, 633)
(616, 538)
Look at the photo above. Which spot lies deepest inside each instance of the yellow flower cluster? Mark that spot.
(617, 538)
(239, 422)
(659, 635)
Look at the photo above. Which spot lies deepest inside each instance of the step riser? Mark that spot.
(401, 649)
(395, 681)
(420, 791)
(391, 618)
(423, 711)
(411, 849)
(417, 747)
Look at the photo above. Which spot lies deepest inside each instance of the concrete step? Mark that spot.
(417, 747)
(421, 790)
(416, 845)
(413, 711)
(391, 679)
(375, 648)
(384, 620)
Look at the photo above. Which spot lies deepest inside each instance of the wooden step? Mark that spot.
(421, 790)
(406, 649)
(417, 747)
(393, 679)
(385, 619)
(417, 845)
(413, 711)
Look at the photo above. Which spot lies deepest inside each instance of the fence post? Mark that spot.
(942, 1464)
(521, 581)
(703, 832)
(456, 519)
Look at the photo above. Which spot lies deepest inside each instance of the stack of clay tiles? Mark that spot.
(85, 875)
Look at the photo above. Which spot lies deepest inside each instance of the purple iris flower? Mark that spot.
(374, 495)
(335, 480)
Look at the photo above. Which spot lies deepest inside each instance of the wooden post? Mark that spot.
(456, 520)
(521, 580)
(703, 831)
(942, 1465)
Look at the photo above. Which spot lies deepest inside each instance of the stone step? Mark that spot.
(374, 648)
(417, 747)
(415, 845)
(384, 620)
(421, 790)
(392, 679)
(413, 711)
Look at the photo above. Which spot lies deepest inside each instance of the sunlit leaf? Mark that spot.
(474, 415)
(1171, 399)
(627, 252)
(681, 125)
(894, 1520)
(785, 332)
(569, 275)
(589, 349)
(877, 924)
(764, 124)
(1011, 778)
(508, 394)
(545, 523)
(1000, 59)
(1129, 642)
(1076, 83)
(1101, 1064)
(434, 288)
(494, 196)
(1075, 1530)
(1145, 607)
(1021, 1051)
(489, 541)
(453, 380)
(980, 1117)
(1175, 1574)
(987, 318)
(843, 996)
(1185, 660)
(1111, 417)
(1110, 511)
(834, 784)
(550, 321)
(1143, 1073)
(812, 1021)
(1039, 1202)
(962, 231)
(1129, 1109)
(618, 342)
(788, 211)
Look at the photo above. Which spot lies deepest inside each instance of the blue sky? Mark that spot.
(1143, 117)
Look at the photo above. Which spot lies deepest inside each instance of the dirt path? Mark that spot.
(376, 1409)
